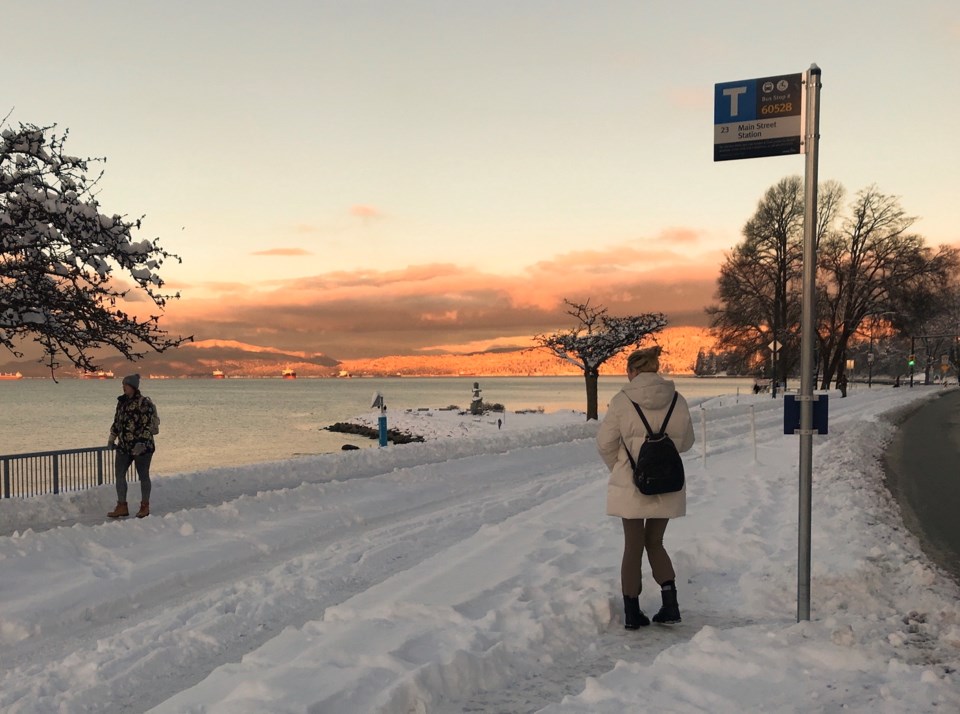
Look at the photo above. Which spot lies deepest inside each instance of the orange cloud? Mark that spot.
(690, 97)
(514, 342)
(370, 313)
(365, 212)
(685, 236)
(284, 252)
(221, 287)
(448, 316)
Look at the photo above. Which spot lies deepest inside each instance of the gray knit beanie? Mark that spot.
(133, 380)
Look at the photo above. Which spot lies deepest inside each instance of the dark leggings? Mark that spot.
(122, 465)
(640, 534)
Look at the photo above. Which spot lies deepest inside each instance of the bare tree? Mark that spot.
(760, 281)
(872, 265)
(868, 265)
(928, 313)
(595, 339)
(60, 257)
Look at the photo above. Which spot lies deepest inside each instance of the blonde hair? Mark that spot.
(645, 360)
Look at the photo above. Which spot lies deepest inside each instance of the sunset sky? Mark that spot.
(370, 177)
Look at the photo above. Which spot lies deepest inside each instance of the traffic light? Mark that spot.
(911, 360)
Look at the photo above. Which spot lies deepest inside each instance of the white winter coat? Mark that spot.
(653, 393)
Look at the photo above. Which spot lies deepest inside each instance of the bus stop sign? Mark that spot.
(753, 118)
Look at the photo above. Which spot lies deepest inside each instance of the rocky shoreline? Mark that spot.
(393, 436)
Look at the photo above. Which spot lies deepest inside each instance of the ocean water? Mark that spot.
(207, 423)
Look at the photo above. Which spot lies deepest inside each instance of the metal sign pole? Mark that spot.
(808, 336)
(776, 116)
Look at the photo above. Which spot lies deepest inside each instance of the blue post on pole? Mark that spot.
(378, 402)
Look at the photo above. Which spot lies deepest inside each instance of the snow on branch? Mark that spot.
(598, 337)
(62, 258)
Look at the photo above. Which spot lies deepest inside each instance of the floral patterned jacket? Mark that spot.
(131, 422)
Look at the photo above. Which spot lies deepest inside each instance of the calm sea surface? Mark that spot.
(207, 423)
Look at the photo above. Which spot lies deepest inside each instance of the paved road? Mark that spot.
(923, 470)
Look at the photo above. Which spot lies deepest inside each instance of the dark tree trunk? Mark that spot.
(591, 378)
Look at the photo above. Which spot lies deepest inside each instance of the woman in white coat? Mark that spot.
(644, 518)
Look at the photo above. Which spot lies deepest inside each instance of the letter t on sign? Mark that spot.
(734, 94)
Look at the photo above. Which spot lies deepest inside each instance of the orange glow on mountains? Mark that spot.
(680, 347)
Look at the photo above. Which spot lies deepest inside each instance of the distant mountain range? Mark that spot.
(200, 359)
(237, 359)
(680, 347)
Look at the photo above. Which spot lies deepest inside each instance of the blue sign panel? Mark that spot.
(791, 413)
(757, 117)
(735, 101)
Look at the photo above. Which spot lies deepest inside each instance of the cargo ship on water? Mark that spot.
(288, 374)
(99, 374)
(11, 375)
(218, 374)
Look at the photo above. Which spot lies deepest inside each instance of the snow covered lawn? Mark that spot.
(477, 572)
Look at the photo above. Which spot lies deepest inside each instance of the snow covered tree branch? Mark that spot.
(60, 257)
(595, 339)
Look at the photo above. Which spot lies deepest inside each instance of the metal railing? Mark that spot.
(44, 472)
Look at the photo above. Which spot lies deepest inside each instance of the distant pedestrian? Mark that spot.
(842, 385)
(132, 436)
(644, 518)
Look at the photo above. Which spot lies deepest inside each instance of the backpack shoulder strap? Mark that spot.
(633, 463)
(666, 419)
(643, 418)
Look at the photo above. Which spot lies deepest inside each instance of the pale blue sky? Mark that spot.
(491, 135)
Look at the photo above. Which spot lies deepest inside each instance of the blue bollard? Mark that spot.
(382, 422)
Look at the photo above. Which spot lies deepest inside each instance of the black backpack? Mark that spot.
(658, 468)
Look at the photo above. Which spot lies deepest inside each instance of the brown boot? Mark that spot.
(120, 511)
(144, 509)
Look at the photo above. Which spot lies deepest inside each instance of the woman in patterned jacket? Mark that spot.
(132, 436)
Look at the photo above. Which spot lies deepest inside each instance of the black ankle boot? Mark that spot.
(670, 612)
(633, 616)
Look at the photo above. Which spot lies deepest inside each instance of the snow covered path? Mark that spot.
(478, 573)
(168, 599)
